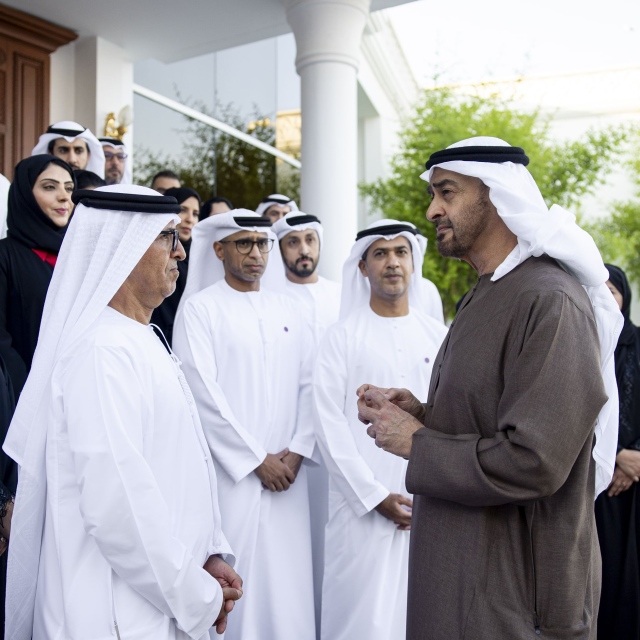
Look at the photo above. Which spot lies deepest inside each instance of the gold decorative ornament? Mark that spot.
(117, 127)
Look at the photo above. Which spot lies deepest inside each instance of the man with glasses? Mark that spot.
(116, 529)
(117, 162)
(246, 352)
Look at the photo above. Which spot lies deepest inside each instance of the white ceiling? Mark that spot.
(168, 30)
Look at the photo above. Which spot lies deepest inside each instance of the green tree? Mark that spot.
(215, 162)
(565, 171)
(618, 234)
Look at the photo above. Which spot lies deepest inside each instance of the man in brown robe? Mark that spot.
(503, 540)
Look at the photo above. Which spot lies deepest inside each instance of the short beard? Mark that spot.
(302, 273)
(471, 224)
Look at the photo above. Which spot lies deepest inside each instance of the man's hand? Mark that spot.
(229, 595)
(394, 508)
(629, 461)
(231, 584)
(274, 473)
(293, 461)
(619, 483)
(391, 427)
(402, 398)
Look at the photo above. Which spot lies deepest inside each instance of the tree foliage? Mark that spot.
(214, 162)
(618, 235)
(564, 171)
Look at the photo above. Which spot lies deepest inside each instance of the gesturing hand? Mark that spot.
(231, 584)
(402, 398)
(393, 508)
(275, 474)
(391, 427)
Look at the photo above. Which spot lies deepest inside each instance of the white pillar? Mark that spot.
(90, 78)
(328, 34)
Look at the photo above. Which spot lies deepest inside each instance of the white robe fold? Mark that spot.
(131, 508)
(247, 357)
(320, 304)
(366, 557)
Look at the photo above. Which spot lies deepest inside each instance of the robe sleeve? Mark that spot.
(233, 447)
(304, 438)
(121, 505)
(552, 394)
(347, 467)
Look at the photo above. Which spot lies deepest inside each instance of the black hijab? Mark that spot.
(627, 360)
(183, 193)
(26, 221)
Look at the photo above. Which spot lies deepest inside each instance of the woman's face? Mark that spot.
(189, 214)
(616, 294)
(52, 191)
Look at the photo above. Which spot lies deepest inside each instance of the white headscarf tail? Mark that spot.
(99, 251)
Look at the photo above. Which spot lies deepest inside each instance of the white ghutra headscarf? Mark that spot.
(119, 145)
(205, 268)
(273, 199)
(356, 290)
(99, 251)
(297, 221)
(70, 131)
(553, 231)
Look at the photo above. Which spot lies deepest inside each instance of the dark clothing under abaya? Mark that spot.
(8, 474)
(618, 517)
(164, 316)
(25, 275)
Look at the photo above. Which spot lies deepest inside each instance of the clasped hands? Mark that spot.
(627, 471)
(392, 416)
(231, 584)
(278, 471)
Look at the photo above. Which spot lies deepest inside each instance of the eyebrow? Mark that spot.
(442, 183)
(56, 181)
(393, 248)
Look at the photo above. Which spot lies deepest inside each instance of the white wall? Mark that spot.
(89, 78)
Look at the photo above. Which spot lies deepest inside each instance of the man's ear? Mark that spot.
(218, 247)
(362, 265)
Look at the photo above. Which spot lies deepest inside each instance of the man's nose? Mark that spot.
(434, 211)
(255, 252)
(180, 253)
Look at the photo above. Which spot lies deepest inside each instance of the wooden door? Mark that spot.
(25, 45)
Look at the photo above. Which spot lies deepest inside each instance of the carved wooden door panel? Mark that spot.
(25, 44)
(24, 108)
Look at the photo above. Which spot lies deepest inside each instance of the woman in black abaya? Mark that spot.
(618, 509)
(38, 213)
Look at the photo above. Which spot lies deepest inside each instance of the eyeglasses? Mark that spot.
(175, 240)
(108, 155)
(245, 245)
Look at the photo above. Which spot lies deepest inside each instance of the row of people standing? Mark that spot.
(340, 474)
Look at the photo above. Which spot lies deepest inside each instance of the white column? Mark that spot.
(328, 34)
(103, 83)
